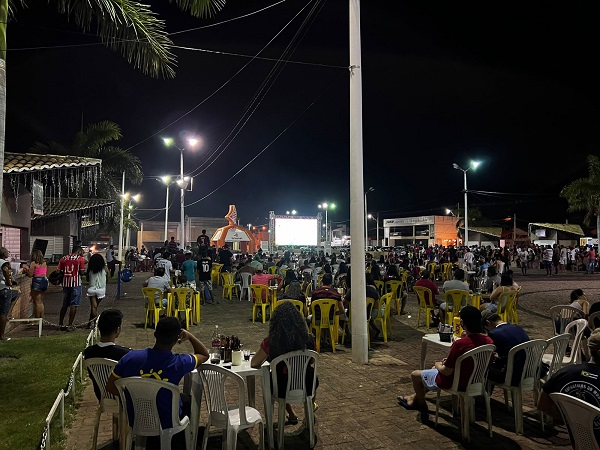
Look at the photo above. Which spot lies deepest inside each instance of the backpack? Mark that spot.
(56, 277)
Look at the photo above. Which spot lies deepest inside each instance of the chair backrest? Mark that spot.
(424, 295)
(325, 307)
(246, 278)
(561, 315)
(141, 393)
(260, 293)
(559, 345)
(379, 284)
(183, 297)
(594, 320)
(152, 296)
(273, 270)
(370, 305)
(457, 298)
(215, 379)
(227, 278)
(393, 287)
(575, 330)
(528, 357)
(506, 300)
(297, 303)
(385, 302)
(481, 357)
(297, 364)
(99, 370)
(579, 416)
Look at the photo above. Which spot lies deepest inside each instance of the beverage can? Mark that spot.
(457, 327)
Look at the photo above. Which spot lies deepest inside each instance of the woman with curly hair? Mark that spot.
(287, 332)
(97, 275)
(39, 283)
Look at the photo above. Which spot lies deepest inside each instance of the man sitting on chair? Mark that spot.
(160, 363)
(578, 380)
(442, 374)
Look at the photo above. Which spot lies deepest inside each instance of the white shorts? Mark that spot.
(97, 292)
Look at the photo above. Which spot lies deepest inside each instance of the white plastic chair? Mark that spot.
(244, 286)
(575, 330)
(562, 315)
(296, 390)
(579, 417)
(476, 386)
(556, 359)
(146, 421)
(99, 370)
(529, 380)
(231, 418)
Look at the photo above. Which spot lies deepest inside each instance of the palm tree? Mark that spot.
(123, 25)
(583, 194)
(94, 142)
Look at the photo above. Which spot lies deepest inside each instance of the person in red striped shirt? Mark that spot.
(72, 267)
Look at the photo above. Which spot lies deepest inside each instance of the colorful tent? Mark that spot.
(232, 232)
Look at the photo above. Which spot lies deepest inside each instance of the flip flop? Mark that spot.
(412, 407)
(290, 421)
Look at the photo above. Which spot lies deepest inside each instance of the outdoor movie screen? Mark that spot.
(298, 231)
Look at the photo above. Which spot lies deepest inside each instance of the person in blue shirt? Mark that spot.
(188, 267)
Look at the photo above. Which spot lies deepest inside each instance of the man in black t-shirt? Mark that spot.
(204, 269)
(203, 241)
(578, 380)
(109, 325)
(225, 257)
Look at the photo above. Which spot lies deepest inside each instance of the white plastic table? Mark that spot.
(433, 338)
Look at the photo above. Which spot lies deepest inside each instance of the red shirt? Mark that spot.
(459, 347)
(71, 265)
(426, 282)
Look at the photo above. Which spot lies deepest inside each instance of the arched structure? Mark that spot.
(232, 233)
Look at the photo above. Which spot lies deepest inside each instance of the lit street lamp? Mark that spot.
(472, 165)
(124, 196)
(371, 216)
(182, 182)
(168, 181)
(326, 206)
(293, 212)
(371, 189)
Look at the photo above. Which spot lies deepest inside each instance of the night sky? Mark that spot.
(512, 84)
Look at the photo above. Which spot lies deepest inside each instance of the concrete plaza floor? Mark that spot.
(357, 403)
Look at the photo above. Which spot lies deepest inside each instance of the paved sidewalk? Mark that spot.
(357, 403)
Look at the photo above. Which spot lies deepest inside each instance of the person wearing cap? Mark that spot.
(505, 336)
(442, 374)
(578, 380)
(160, 363)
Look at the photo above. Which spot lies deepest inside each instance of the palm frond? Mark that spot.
(52, 148)
(129, 27)
(115, 160)
(200, 8)
(95, 136)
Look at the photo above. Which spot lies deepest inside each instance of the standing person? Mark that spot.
(225, 258)
(72, 267)
(591, 254)
(442, 375)
(203, 242)
(547, 259)
(188, 268)
(109, 325)
(7, 295)
(287, 333)
(172, 246)
(38, 270)
(204, 276)
(159, 362)
(97, 276)
(523, 256)
(469, 257)
(111, 261)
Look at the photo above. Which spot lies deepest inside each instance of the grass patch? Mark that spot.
(32, 373)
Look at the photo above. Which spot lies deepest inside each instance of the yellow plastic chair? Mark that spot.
(457, 298)
(272, 270)
(215, 274)
(393, 287)
(426, 304)
(229, 287)
(380, 285)
(384, 318)
(260, 300)
(506, 303)
(446, 271)
(404, 281)
(183, 298)
(152, 311)
(513, 314)
(325, 306)
(431, 267)
(320, 279)
(348, 324)
(297, 303)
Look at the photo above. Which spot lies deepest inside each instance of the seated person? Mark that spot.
(327, 291)
(371, 292)
(492, 280)
(578, 380)
(506, 284)
(505, 336)
(160, 281)
(457, 282)
(442, 374)
(109, 325)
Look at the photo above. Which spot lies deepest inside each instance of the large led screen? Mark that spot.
(299, 231)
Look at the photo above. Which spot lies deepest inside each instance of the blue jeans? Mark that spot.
(591, 266)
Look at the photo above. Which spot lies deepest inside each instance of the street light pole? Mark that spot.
(326, 206)
(121, 221)
(472, 165)
(167, 181)
(371, 189)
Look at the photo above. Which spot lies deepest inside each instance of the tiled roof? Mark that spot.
(31, 162)
(566, 227)
(56, 207)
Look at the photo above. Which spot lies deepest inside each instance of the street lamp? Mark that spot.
(182, 182)
(293, 212)
(472, 165)
(371, 216)
(124, 196)
(166, 179)
(326, 206)
(371, 189)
